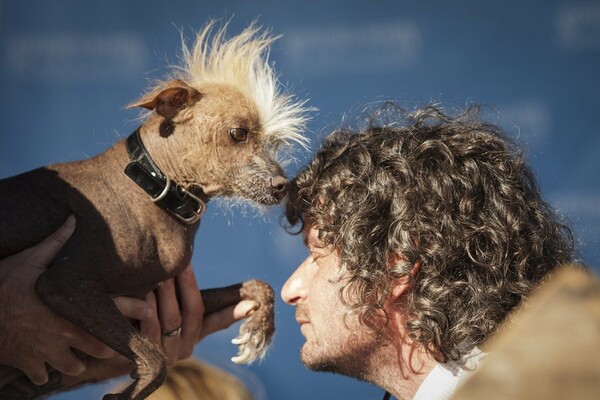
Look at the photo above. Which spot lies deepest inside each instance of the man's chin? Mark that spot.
(327, 364)
(312, 361)
(331, 366)
(320, 366)
(351, 365)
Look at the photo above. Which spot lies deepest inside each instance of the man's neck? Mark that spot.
(401, 365)
(401, 369)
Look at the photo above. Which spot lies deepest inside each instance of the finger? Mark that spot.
(44, 252)
(93, 347)
(150, 327)
(170, 318)
(79, 339)
(226, 317)
(244, 309)
(134, 308)
(68, 363)
(101, 370)
(36, 374)
(192, 312)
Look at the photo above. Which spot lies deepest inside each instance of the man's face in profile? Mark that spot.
(335, 341)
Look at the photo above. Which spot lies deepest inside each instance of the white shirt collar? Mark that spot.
(444, 378)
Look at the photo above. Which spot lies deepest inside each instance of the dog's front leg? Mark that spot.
(86, 304)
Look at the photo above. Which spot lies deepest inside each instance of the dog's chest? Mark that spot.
(157, 254)
(132, 252)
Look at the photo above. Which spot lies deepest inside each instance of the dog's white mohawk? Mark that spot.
(243, 61)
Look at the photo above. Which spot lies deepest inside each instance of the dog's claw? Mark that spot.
(243, 358)
(241, 339)
(256, 332)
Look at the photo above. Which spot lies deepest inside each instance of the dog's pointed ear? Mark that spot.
(168, 100)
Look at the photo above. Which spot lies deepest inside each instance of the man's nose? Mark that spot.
(294, 290)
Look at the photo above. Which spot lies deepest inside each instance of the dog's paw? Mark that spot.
(257, 330)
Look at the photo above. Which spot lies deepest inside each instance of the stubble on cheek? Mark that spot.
(324, 341)
(346, 356)
(336, 344)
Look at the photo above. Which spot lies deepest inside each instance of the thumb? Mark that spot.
(44, 252)
(226, 317)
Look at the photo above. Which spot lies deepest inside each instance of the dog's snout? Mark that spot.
(279, 186)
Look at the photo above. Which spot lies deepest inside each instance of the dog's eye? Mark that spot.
(238, 134)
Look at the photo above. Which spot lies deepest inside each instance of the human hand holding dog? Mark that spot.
(34, 336)
(187, 313)
(177, 303)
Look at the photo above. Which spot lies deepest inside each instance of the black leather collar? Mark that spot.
(167, 194)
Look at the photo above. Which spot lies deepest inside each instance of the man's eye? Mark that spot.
(238, 134)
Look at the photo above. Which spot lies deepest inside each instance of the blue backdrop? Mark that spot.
(67, 68)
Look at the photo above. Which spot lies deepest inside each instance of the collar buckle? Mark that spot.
(195, 217)
(164, 192)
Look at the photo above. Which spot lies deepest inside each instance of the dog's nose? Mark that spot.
(279, 185)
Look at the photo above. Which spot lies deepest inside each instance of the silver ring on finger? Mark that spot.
(172, 333)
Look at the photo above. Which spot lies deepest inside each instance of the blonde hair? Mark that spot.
(194, 380)
(243, 62)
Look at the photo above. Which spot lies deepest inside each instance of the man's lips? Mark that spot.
(303, 319)
(304, 326)
(302, 315)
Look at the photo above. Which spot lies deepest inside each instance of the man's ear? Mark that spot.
(401, 285)
(168, 100)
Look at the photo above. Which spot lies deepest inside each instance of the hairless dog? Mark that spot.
(216, 127)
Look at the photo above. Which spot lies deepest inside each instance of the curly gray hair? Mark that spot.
(451, 193)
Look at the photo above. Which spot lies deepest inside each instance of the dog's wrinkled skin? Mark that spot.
(124, 244)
